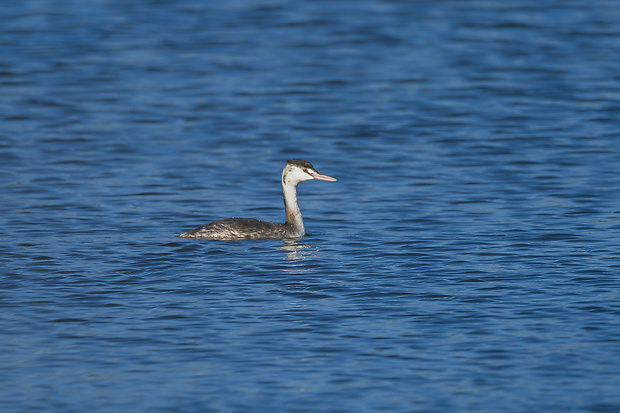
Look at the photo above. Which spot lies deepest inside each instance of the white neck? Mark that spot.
(291, 208)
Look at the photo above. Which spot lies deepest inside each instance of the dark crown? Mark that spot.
(300, 163)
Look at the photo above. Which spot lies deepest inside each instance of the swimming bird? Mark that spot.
(229, 229)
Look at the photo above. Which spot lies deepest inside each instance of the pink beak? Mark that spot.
(322, 177)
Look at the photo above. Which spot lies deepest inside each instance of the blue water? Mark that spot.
(466, 260)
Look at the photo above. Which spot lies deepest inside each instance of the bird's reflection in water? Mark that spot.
(298, 251)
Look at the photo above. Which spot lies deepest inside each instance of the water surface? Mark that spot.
(466, 259)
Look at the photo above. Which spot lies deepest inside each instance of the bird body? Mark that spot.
(295, 172)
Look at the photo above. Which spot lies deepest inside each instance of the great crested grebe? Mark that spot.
(228, 229)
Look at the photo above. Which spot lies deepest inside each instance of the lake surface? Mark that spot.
(467, 259)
